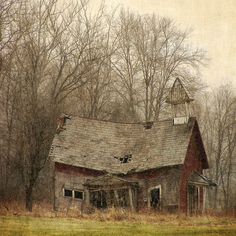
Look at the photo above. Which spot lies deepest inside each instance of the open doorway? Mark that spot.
(193, 199)
(155, 198)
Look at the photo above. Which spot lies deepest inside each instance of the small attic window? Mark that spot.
(124, 159)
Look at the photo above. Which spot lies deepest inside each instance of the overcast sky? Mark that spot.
(214, 29)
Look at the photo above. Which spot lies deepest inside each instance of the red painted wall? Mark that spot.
(192, 163)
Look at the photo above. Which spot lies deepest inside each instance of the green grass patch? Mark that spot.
(32, 226)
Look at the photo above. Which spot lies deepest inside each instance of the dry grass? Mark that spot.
(15, 220)
(45, 210)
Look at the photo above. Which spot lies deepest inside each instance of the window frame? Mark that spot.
(78, 190)
(73, 193)
(67, 189)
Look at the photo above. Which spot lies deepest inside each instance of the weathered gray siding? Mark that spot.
(74, 178)
(167, 178)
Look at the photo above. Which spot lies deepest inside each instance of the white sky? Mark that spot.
(214, 29)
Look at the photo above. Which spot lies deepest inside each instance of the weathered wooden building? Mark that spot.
(102, 164)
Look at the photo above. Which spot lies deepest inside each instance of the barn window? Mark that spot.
(68, 193)
(78, 194)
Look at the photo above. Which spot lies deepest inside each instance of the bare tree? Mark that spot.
(8, 37)
(218, 125)
(151, 51)
(94, 98)
(163, 54)
(60, 58)
(46, 67)
(125, 63)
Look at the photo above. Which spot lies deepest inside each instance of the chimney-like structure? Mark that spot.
(148, 125)
(61, 121)
(179, 97)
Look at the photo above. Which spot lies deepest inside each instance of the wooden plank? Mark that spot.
(131, 199)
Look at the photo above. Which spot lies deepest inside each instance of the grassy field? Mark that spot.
(32, 226)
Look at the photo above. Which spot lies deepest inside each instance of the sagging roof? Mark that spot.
(118, 148)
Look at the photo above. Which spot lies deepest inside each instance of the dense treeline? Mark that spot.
(116, 66)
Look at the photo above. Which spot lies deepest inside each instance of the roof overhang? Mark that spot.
(109, 181)
(198, 179)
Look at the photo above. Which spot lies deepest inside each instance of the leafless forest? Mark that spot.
(107, 65)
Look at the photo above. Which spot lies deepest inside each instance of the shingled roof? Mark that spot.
(99, 145)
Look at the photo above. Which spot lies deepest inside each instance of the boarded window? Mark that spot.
(78, 194)
(68, 193)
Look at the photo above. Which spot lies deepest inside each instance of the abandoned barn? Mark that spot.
(156, 165)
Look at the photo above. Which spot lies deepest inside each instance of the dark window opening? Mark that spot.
(110, 198)
(123, 198)
(68, 193)
(78, 194)
(99, 199)
(155, 198)
(125, 159)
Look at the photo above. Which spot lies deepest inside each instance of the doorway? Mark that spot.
(193, 199)
(155, 198)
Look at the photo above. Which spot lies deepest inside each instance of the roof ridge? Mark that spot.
(120, 122)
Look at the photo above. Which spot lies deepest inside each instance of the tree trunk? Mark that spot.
(146, 104)
(29, 198)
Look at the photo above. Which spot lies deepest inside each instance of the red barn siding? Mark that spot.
(192, 163)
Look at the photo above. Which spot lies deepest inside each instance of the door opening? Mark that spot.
(155, 198)
(193, 199)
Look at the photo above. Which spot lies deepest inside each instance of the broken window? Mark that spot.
(68, 193)
(78, 194)
(124, 159)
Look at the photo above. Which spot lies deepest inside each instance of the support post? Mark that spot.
(116, 197)
(87, 197)
(131, 199)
